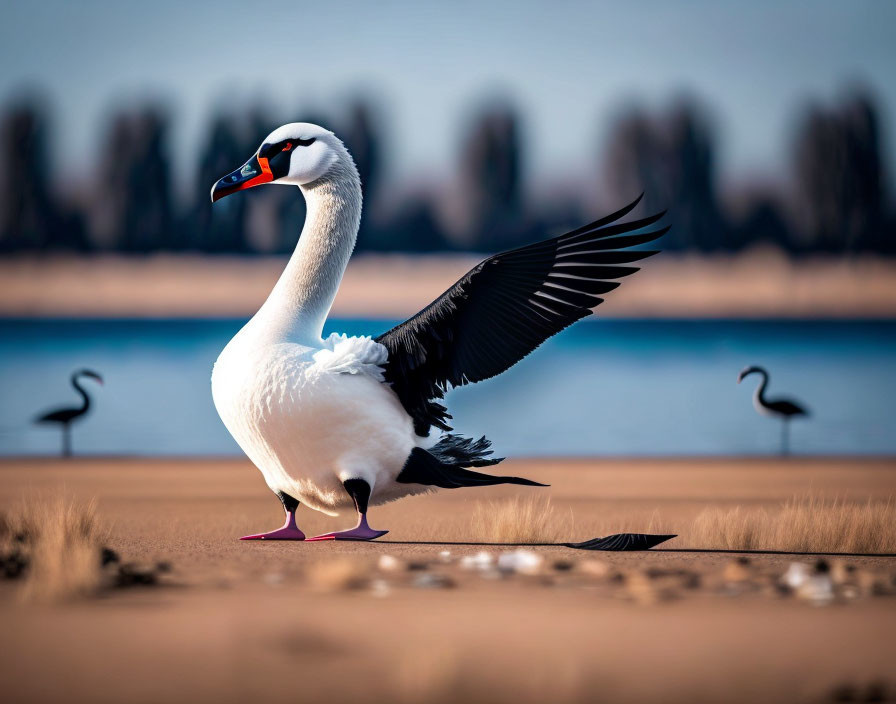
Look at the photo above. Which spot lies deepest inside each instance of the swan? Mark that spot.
(347, 422)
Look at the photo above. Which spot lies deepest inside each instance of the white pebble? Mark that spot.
(480, 561)
(380, 588)
(818, 590)
(433, 581)
(387, 563)
(796, 575)
(520, 561)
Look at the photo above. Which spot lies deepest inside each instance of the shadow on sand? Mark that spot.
(620, 542)
(635, 542)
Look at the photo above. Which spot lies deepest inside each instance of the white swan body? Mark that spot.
(349, 420)
(311, 417)
(311, 413)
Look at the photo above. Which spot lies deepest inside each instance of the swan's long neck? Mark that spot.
(298, 306)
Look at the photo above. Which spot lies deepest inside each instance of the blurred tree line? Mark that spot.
(834, 198)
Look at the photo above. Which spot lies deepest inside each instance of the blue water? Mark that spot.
(603, 387)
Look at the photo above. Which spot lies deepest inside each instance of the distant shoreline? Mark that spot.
(760, 284)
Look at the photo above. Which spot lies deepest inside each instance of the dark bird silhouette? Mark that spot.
(782, 408)
(65, 416)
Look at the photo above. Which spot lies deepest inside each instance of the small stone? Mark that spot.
(796, 575)
(13, 564)
(781, 589)
(594, 568)
(691, 580)
(480, 561)
(842, 573)
(380, 588)
(388, 563)
(736, 572)
(879, 587)
(850, 592)
(817, 589)
(337, 575)
(417, 567)
(520, 562)
(433, 580)
(563, 565)
(133, 574)
(866, 582)
(640, 588)
(108, 556)
(445, 556)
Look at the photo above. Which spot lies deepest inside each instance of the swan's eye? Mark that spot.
(305, 142)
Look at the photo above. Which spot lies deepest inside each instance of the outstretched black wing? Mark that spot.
(504, 308)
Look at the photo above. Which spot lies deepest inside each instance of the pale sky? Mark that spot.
(569, 67)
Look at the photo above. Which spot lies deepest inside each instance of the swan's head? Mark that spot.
(296, 154)
(747, 371)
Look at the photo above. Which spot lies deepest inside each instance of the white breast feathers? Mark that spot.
(349, 355)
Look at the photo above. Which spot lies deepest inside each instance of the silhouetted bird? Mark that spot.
(780, 408)
(65, 416)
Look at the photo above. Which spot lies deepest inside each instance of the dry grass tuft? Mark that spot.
(805, 524)
(519, 521)
(62, 542)
(730, 529)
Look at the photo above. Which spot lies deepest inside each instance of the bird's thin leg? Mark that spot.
(66, 440)
(359, 490)
(289, 531)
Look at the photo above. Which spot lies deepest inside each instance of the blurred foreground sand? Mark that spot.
(245, 625)
(759, 284)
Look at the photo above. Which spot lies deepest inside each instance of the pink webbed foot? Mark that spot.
(362, 531)
(289, 531)
(279, 534)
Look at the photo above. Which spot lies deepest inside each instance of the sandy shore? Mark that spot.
(761, 284)
(244, 621)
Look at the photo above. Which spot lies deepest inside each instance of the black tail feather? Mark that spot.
(445, 465)
(465, 452)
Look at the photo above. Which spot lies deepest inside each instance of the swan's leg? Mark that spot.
(289, 531)
(359, 490)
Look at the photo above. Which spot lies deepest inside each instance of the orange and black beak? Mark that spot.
(253, 173)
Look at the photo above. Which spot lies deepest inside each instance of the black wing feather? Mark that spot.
(504, 308)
